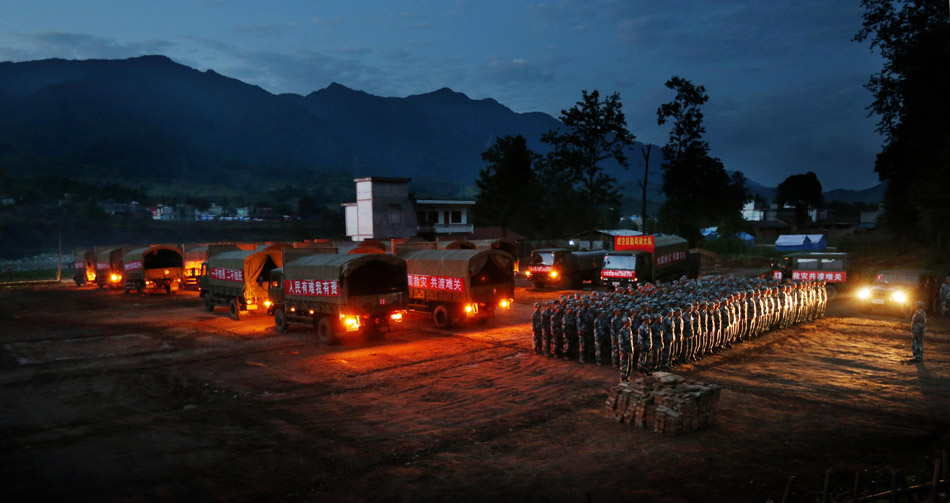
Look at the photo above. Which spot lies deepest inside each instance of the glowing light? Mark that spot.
(468, 309)
(268, 303)
(166, 272)
(527, 274)
(899, 296)
(864, 293)
(311, 311)
(396, 316)
(293, 309)
(552, 274)
(504, 304)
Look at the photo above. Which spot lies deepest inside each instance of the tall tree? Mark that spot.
(508, 187)
(910, 95)
(596, 131)
(698, 190)
(801, 191)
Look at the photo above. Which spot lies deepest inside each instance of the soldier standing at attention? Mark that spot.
(616, 323)
(570, 333)
(536, 328)
(546, 328)
(918, 325)
(626, 349)
(644, 344)
(602, 334)
(557, 329)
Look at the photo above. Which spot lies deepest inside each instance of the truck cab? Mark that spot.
(831, 267)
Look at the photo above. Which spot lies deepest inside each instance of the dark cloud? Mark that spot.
(54, 44)
(267, 30)
(514, 71)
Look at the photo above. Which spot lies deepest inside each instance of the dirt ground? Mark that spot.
(110, 397)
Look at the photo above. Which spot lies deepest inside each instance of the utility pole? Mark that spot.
(59, 264)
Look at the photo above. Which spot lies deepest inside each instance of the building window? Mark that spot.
(456, 217)
(395, 214)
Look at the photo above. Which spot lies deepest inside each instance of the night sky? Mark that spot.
(785, 80)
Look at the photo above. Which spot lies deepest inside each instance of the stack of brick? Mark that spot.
(665, 403)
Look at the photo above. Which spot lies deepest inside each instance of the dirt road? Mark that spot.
(112, 397)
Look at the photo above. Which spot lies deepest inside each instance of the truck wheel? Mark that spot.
(372, 330)
(442, 317)
(209, 305)
(280, 320)
(168, 289)
(326, 333)
(831, 291)
(233, 309)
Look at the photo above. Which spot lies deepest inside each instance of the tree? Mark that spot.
(801, 191)
(596, 132)
(698, 190)
(509, 195)
(910, 95)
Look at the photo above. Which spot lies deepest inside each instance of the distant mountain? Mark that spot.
(151, 119)
(872, 195)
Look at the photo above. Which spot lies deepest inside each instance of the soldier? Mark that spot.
(624, 336)
(546, 328)
(918, 325)
(656, 341)
(570, 332)
(616, 323)
(644, 344)
(536, 328)
(669, 336)
(945, 297)
(557, 329)
(585, 333)
(602, 337)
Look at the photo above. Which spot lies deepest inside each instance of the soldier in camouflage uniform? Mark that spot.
(623, 337)
(585, 334)
(570, 332)
(918, 326)
(616, 323)
(536, 328)
(602, 337)
(546, 328)
(945, 297)
(557, 329)
(644, 344)
(669, 336)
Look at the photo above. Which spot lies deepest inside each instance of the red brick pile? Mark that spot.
(665, 403)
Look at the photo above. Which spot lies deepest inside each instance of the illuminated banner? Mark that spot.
(312, 287)
(133, 265)
(777, 275)
(619, 273)
(443, 283)
(669, 258)
(829, 277)
(226, 274)
(543, 269)
(633, 243)
(102, 266)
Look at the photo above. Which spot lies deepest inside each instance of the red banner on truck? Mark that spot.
(619, 273)
(224, 274)
(444, 283)
(828, 277)
(634, 243)
(133, 266)
(312, 287)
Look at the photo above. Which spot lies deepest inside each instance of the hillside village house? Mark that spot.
(383, 210)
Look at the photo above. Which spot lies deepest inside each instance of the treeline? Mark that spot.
(567, 191)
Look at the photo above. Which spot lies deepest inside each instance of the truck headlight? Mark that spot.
(552, 274)
(505, 304)
(899, 296)
(864, 293)
(527, 274)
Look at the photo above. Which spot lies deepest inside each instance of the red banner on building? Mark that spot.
(619, 273)
(133, 265)
(828, 277)
(444, 283)
(223, 274)
(312, 287)
(633, 243)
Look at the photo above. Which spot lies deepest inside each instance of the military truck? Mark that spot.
(458, 285)
(832, 267)
(564, 268)
(110, 267)
(897, 291)
(153, 268)
(84, 264)
(340, 295)
(194, 255)
(647, 258)
(237, 279)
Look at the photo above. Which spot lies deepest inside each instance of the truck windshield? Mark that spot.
(832, 264)
(620, 262)
(543, 258)
(900, 279)
(806, 263)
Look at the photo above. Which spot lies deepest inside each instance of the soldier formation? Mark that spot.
(657, 326)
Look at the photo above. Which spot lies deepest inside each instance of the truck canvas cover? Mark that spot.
(333, 278)
(152, 257)
(465, 273)
(242, 269)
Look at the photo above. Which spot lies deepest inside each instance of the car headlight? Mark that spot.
(899, 296)
(864, 293)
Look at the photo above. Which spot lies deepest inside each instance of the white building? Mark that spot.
(443, 217)
(382, 210)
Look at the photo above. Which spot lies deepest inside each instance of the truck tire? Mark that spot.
(280, 320)
(442, 316)
(831, 291)
(372, 330)
(209, 305)
(325, 332)
(168, 289)
(233, 309)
